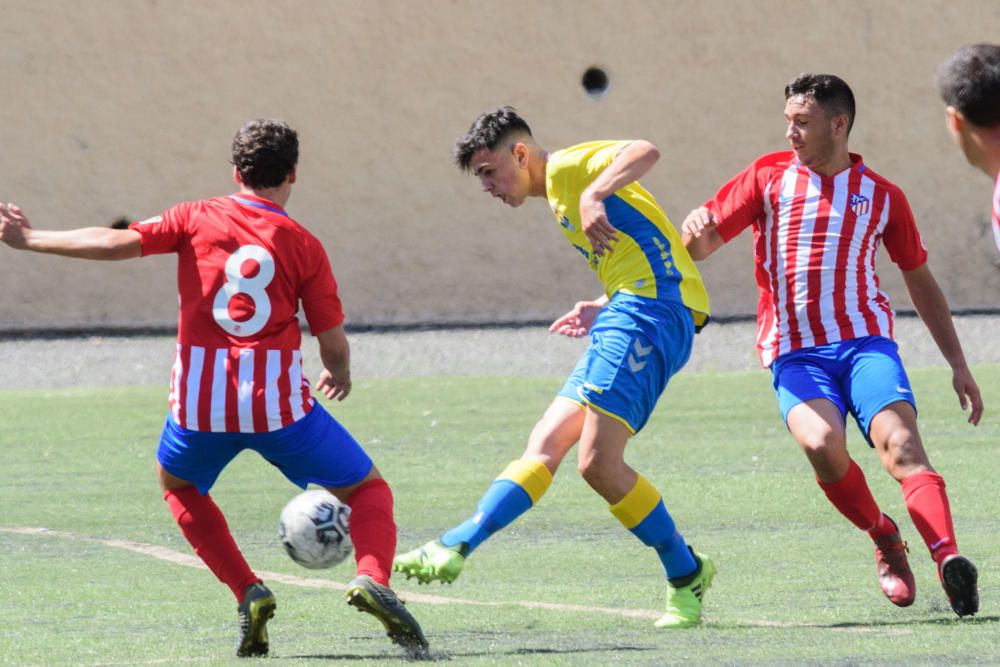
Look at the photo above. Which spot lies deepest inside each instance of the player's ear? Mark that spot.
(954, 119)
(520, 152)
(236, 176)
(841, 123)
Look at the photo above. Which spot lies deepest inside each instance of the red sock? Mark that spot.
(927, 502)
(372, 529)
(852, 497)
(202, 523)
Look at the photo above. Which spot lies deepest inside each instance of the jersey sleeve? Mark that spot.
(163, 233)
(901, 237)
(573, 169)
(320, 299)
(599, 160)
(738, 203)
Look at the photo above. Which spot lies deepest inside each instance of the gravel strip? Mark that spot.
(110, 361)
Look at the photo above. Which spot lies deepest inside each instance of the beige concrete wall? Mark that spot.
(124, 107)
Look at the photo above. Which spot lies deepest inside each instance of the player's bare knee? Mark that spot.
(818, 441)
(903, 454)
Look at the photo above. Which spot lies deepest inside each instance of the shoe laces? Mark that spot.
(892, 549)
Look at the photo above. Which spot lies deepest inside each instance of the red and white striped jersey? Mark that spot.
(815, 241)
(996, 212)
(243, 266)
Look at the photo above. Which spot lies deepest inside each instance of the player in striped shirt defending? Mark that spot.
(818, 215)
(969, 82)
(641, 334)
(243, 267)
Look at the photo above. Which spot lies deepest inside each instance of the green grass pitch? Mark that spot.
(111, 582)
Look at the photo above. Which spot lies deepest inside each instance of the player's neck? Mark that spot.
(837, 162)
(991, 154)
(537, 169)
(278, 195)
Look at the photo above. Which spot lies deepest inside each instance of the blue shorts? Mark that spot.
(861, 376)
(314, 449)
(636, 346)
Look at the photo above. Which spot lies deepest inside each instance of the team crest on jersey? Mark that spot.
(860, 204)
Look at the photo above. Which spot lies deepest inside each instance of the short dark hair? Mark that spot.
(488, 131)
(265, 152)
(969, 80)
(830, 92)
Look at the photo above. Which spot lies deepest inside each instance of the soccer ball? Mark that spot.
(313, 529)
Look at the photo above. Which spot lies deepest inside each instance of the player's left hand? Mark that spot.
(577, 322)
(968, 393)
(598, 230)
(13, 224)
(332, 387)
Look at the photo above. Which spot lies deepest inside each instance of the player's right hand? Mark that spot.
(577, 322)
(333, 387)
(697, 221)
(13, 224)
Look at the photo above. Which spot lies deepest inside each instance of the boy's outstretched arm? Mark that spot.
(85, 243)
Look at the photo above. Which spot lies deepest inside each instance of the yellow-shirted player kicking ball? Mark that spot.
(641, 333)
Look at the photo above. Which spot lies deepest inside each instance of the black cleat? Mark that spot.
(379, 601)
(959, 577)
(254, 612)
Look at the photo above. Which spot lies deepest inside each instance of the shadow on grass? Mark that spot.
(440, 656)
(861, 626)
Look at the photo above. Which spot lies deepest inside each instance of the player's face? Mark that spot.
(503, 173)
(810, 131)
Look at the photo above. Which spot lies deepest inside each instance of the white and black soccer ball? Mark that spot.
(313, 529)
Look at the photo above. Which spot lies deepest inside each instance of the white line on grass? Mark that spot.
(171, 556)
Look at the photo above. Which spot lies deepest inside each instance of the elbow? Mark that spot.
(649, 150)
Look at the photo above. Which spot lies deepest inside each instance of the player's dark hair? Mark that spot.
(831, 93)
(969, 80)
(488, 131)
(265, 152)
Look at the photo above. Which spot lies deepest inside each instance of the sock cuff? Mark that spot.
(369, 485)
(637, 503)
(917, 481)
(530, 475)
(853, 476)
(184, 493)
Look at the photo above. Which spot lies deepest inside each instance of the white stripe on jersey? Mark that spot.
(771, 332)
(193, 387)
(175, 379)
(803, 256)
(787, 193)
(271, 390)
(852, 285)
(244, 392)
(218, 398)
(996, 212)
(835, 239)
(295, 382)
(884, 321)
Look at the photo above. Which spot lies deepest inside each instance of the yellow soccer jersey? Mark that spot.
(649, 259)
